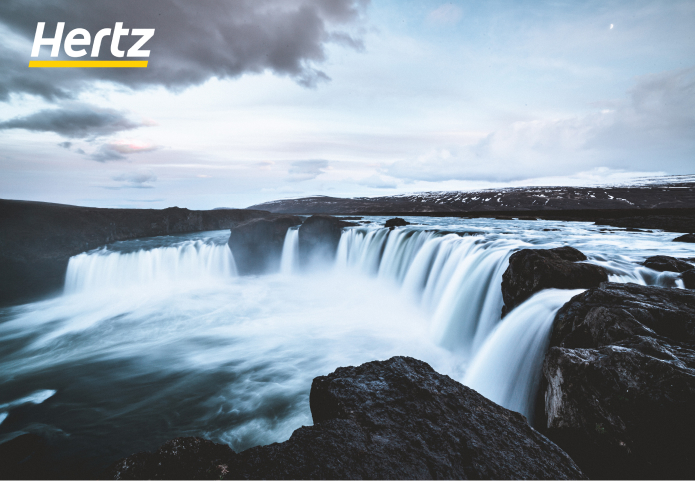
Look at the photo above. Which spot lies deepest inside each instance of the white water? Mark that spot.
(507, 369)
(290, 252)
(158, 337)
(188, 261)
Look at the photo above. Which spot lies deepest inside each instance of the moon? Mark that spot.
(611, 27)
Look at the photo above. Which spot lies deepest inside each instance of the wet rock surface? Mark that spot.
(38, 238)
(257, 244)
(666, 263)
(532, 270)
(688, 278)
(685, 238)
(319, 236)
(396, 222)
(381, 420)
(620, 382)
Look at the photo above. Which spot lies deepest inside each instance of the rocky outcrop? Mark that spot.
(396, 222)
(685, 238)
(620, 382)
(37, 238)
(257, 243)
(688, 278)
(396, 419)
(532, 270)
(318, 239)
(667, 264)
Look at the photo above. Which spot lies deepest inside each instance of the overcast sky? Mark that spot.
(255, 100)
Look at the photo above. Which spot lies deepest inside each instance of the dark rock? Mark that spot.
(532, 270)
(666, 263)
(620, 382)
(685, 238)
(24, 458)
(396, 222)
(689, 279)
(396, 419)
(318, 239)
(37, 239)
(257, 243)
(180, 458)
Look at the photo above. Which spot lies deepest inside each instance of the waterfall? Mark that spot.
(290, 252)
(455, 278)
(189, 261)
(507, 368)
(452, 282)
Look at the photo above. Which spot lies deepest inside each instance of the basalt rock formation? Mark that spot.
(396, 419)
(396, 222)
(257, 244)
(620, 382)
(532, 270)
(666, 263)
(688, 278)
(685, 238)
(318, 238)
(37, 238)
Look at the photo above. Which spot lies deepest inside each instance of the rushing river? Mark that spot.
(158, 338)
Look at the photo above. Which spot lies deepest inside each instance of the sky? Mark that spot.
(249, 101)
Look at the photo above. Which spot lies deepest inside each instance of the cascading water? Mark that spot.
(189, 261)
(507, 369)
(456, 279)
(158, 338)
(290, 252)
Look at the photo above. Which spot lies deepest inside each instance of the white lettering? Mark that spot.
(70, 40)
(54, 42)
(145, 34)
(104, 32)
(118, 31)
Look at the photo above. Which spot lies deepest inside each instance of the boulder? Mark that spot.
(620, 382)
(688, 278)
(396, 222)
(257, 243)
(396, 419)
(318, 239)
(532, 270)
(666, 263)
(685, 238)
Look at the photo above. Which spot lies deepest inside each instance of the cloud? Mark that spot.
(653, 128)
(306, 169)
(65, 145)
(74, 121)
(377, 182)
(193, 41)
(118, 150)
(446, 14)
(142, 179)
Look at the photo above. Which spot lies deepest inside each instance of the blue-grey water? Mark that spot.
(158, 338)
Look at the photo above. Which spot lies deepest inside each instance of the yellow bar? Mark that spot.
(87, 63)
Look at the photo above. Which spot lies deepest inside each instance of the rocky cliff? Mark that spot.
(620, 382)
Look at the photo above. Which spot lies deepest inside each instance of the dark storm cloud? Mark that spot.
(306, 169)
(193, 41)
(74, 121)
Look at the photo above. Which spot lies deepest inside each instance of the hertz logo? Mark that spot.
(80, 37)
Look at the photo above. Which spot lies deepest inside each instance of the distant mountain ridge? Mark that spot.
(666, 195)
